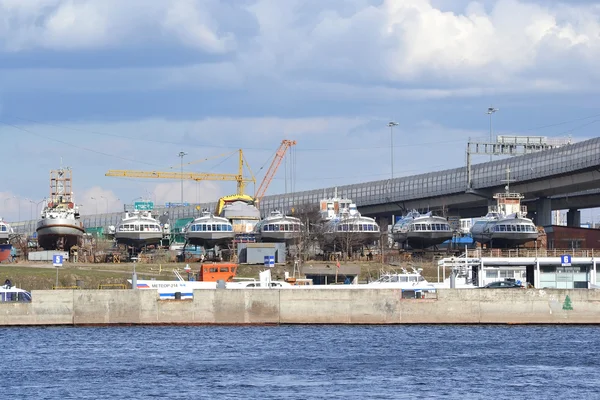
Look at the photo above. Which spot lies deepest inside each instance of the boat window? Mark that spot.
(518, 228)
(404, 279)
(394, 278)
(213, 269)
(412, 278)
(23, 297)
(513, 228)
(3, 228)
(224, 269)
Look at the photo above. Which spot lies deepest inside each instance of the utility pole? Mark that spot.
(490, 111)
(181, 154)
(392, 124)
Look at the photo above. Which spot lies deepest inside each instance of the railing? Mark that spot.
(477, 253)
(112, 286)
(65, 287)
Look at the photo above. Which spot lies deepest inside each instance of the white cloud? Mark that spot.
(410, 48)
(92, 24)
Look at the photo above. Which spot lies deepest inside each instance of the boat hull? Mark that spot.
(138, 239)
(422, 240)
(52, 232)
(5, 251)
(334, 241)
(280, 237)
(208, 240)
(505, 239)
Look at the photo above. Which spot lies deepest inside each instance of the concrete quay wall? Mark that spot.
(305, 306)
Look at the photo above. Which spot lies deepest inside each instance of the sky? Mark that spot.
(112, 84)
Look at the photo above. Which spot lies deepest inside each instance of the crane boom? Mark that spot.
(195, 176)
(262, 189)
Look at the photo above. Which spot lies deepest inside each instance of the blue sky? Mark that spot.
(128, 85)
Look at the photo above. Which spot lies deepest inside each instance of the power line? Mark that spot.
(74, 145)
(563, 123)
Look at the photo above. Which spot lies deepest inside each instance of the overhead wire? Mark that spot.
(74, 145)
(335, 149)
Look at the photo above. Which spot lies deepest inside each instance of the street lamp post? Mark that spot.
(392, 124)
(490, 111)
(96, 200)
(31, 202)
(38, 204)
(181, 154)
(102, 197)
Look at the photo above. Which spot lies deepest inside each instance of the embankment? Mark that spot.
(304, 306)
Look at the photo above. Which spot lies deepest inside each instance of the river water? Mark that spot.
(301, 362)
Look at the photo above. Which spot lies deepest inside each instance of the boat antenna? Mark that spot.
(507, 180)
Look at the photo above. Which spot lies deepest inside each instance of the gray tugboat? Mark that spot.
(60, 226)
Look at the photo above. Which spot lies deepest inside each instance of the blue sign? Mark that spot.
(269, 261)
(565, 260)
(143, 205)
(57, 260)
(176, 205)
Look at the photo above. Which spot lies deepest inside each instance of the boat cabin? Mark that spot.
(213, 272)
(14, 295)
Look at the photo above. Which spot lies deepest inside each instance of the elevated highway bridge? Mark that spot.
(567, 177)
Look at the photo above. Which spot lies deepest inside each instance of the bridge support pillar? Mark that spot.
(543, 214)
(574, 218)
(383, 223)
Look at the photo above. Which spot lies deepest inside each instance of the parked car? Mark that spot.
(502, 285)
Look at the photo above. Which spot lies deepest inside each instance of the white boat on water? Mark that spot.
(182, 289)
(11, 294)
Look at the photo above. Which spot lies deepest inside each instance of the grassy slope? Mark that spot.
(33, 276)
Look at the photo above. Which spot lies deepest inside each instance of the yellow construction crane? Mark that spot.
(264, 185)
(196, 176)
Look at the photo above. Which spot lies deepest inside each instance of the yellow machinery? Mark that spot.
(196, 176)
(202, 176)
(262, 189)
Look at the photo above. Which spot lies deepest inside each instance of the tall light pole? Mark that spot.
(181, 154)
(31, 208)
(38, 204)
(490, 111)
(392, 124)
(102, 197)
(96, 200)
